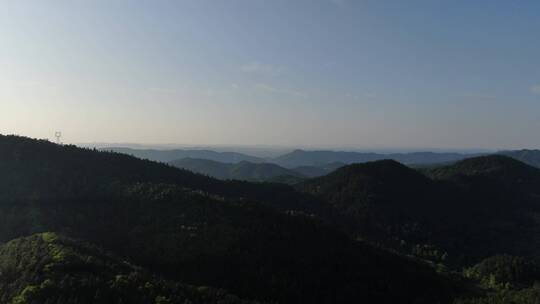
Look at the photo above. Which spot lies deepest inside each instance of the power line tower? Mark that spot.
(58, 135)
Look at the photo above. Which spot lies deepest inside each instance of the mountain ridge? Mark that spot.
(243, 170)
(201, 231)
(175, 154)
(438, 205)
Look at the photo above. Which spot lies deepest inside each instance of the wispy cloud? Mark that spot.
(535, 89)
(272, 89)
(262, 68)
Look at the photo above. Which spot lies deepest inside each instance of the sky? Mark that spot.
(306, 73)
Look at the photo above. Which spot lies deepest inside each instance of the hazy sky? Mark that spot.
(369, 74)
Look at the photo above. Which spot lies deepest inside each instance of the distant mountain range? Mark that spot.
(300, 158)
(317, 163)
(314, 158)
(243, 170)
(249, 171)
(298, 165)
(171, 155)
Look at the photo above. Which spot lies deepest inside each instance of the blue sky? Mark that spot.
(317, 73)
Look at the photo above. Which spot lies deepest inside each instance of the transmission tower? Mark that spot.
(58, 135)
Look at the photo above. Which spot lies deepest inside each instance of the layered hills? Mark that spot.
(74, 222)
(262, 242)
(175, 154)
(240, 171)
(462, 212)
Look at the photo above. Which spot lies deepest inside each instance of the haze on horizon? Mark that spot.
(366, 74)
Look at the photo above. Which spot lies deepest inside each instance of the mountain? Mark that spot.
(241, 171)
(505, 170)
(50, 268)
(259, 241)
(39, 169)
(318, 163)
(320, 170)
(492, 200)
(204, 166)
(74, 223)
(165, 156)
(299, 158)
(530, 157)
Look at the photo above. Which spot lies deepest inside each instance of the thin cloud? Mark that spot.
(272, 89)
(262, 68)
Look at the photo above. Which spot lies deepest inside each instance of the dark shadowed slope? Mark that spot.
(498, 170)
(204, 166)
(362, 185)
(470, 210)
(32, 168)
(174, 224)
(40, 169)
(316, 171)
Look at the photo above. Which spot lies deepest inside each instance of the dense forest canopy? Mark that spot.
(74, 223)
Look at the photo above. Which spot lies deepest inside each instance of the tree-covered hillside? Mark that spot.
(196, 230)
(50, 268)
(260, 241)
(459, 213)
(39, 169)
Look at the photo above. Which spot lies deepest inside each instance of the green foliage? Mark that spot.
(198, 230)
(463, 212)
(523, 296)
(505, 272)
(238, 245)
(260, 241)
(85, 274)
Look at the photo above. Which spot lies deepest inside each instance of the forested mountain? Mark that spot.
(530, 157)
(262, 242)
(321, 243)
(459, 213)
(320, 170)
(50, 268)
(241, 171)
(40, 169)
(171, 155)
